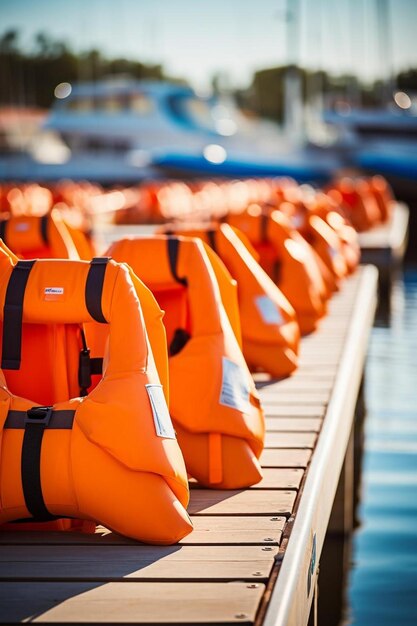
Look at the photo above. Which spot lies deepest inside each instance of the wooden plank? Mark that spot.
(318, 398)
(280, 478)
(316, 393)
(249, 502)
(320, 360)
(207, 530)
(293, 424)
(298, 385)
(265, 380)
(233, 529)
(310, 369)
(128, 603)
(276, 478)
(295, 410)
(290, 440)
(272, 457)
(141, 563)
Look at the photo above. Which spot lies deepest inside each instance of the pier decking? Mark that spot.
(385, 246)
(253, 555)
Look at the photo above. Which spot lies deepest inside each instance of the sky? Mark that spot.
(198, 38)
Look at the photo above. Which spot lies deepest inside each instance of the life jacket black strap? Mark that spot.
(96, 365)
(264, 221)
(173, 250)
(44, 228)
(87, 366)
(13, 315)
(35, 421)
(179, 340)
(3, 225)
(211, 234)
(59, 420)
(94, 288)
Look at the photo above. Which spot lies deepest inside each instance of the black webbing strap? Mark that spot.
(84, 367)
(87, 366)
(173, 250)
(179, 341)
(35, 422)
(44, 228)
(96, 365)
(94, 288)
(3, 225)
(13, 315)
(264, 226)
(211, 234)
(59, 420)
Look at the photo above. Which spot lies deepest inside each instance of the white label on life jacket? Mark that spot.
(161, 417)
(53, 291)
(269, 311)
(21, 227)
(333, 252)
(235, 388)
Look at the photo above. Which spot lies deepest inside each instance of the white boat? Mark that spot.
(123, 130)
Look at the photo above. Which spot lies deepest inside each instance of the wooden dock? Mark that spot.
(253, 556)
(385, 246)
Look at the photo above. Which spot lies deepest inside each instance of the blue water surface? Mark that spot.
(383, 579)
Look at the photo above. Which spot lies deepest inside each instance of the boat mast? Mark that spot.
(385, 51)
(293, 106)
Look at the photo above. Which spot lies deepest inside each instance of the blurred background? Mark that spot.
(298, 87)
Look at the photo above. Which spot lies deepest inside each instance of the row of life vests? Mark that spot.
(94, 351)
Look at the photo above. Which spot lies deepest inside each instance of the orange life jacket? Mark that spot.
(326, 208)
(359, 202)
(110, 456)
(213, 401)
(82, 242)
(327, 244)
(270, 332)
(35, 237)
(289, 261)
(383, 194)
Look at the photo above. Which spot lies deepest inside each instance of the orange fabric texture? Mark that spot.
(270, 332)
(82, 243)
(112, 465)
(211, 389)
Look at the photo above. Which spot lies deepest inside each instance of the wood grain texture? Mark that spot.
(139, 563)
(130, 603)
(294, 410)
(290, 440)
(249, 502)
(209, 529)
(285, 457)
(293, 424)
(281, 478)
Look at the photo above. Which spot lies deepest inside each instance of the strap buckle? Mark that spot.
(39, 415)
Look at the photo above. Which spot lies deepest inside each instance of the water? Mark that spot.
(383, 578)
